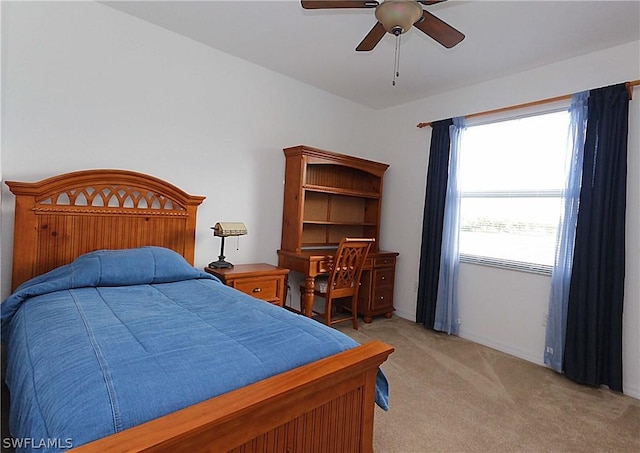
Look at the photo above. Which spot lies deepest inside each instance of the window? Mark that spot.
(511, 177)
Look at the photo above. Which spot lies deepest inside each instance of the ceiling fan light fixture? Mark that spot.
(397, 16)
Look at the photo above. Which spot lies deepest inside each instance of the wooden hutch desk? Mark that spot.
(328, 196)
(375, 296)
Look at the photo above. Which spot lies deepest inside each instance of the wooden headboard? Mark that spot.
(62, 217)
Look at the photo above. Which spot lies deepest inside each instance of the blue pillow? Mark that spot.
(139, 266)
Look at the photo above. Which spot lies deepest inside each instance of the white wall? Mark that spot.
(86, 86)
(500, 308)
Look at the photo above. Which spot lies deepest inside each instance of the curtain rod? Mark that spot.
(629, 85)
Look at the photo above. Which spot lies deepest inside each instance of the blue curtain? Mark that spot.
(433, 219)
(593, 344)
(446, 315)
(561, 276)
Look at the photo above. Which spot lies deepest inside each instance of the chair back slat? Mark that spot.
(345, 271)
(347, 266)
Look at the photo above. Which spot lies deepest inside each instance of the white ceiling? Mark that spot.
(317, 47)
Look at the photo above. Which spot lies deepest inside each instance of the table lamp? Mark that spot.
(223, 230)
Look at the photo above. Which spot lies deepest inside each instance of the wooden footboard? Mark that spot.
(325, 406)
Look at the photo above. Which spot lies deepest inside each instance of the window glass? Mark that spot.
(511, 177)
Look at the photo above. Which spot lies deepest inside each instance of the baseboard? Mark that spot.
(405, 315)
(633, 392)
(507, 349)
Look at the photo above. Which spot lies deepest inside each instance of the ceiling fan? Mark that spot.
(396, 17)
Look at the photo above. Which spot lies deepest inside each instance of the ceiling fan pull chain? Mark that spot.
(396, 63)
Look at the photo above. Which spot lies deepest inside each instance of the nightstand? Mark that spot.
(260, 280)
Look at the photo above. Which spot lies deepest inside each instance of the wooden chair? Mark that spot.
(343, 280)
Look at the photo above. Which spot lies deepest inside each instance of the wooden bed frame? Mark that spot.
(324, 406)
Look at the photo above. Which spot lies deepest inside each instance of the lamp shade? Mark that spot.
(397, 16)
(225, 229)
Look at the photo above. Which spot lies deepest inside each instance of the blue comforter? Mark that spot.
(117, 338)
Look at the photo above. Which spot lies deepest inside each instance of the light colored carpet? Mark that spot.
(452, 395)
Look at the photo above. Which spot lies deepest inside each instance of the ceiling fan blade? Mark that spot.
(442, 32)
(330, 4)
(372, 39)
(430, 2)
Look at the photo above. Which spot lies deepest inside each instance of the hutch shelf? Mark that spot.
(328, 196)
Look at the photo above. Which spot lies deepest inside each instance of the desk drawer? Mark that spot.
(384, 277)
(261, 288)
(324, 266)
(382, 300)
(385, 261)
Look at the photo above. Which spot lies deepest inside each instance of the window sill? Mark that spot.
(531, 268)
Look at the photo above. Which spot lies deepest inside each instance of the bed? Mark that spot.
(82, 242)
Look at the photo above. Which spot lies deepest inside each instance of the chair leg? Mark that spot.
(327, 312)
(354, 311)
